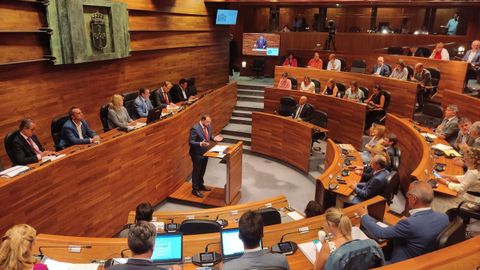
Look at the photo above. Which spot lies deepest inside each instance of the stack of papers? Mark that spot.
(442, 147)
(56, 265)
(219, 149)
(14, 171)
(429, 135)
(295, 215)
(348, 147)
(138, 125)
(52, 158)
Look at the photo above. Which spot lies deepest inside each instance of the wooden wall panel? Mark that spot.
(91, 191)
(177, 40)
(469, 106)
(403, 93)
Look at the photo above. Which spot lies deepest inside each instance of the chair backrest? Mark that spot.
(398, 152)
(433, 110)
(435, 73)
(320, 118)
(359, 66)
(294, 83)
(344, 64)
(318, 85)
(199, 226)
(341, 89)
(410, 72)
(56, 129)
(258, 64)
(395, 50)
(365, 91)
(192, 88)
(270, 216)
(129, 103)
(388, 97)
(8, 142)
(391, 186)
(423, 52)
(454, 233)
(287, 106)
(395, 163)
(104, 117)
(389, 68)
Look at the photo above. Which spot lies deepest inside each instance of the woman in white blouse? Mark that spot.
(461, 183)
(307, 85)
(353, 93)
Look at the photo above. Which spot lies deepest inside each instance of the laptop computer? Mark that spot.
(154, 114)
(232, 245)
(168, 249)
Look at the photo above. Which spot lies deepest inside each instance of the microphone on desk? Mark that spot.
(223, 222)
(290, 247)
(71, 248)
(171, 227)
(206, 259)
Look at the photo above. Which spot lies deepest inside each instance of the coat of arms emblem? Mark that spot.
(98, 31)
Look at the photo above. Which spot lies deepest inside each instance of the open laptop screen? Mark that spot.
(168, 248)
(232, 245)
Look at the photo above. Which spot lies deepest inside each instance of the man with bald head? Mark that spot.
(304, 110)
(380, 69)
(415, 235)
(376, 184)
(333, 63)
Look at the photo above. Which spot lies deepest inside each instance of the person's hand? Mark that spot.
(175, 267)
(442, 181)
(96, 139)
(458, 162)
(204, 144)
(358, 171)
(218, 138)
(133, 123)
(362, 211)
(352, 186)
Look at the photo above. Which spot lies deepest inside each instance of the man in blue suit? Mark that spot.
(380, 69)
(142, 103)
(201, 135)
(376, 184)
(76, 130)
(261, 43)
(415, 235)
(473, 56)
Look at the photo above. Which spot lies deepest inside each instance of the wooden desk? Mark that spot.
(403, 93)
(229, 213)
(334, 164)
(416, 162)
(81, 194)
(341, 113)
(452, 72)
(283, 138)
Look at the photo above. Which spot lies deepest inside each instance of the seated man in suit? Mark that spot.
(475, 134)
(26, 147)
(448, 129)
(463, 139)
(251, 233)
(415, 235)
(473, 56)
(304, 110)
(76, 130)
(180, 91)
(162, 97)
(375, 185)
(141, 241)
(380, 69)
(142, 103)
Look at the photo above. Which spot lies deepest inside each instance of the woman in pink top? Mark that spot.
(285, 82)
(16, 249)
(290, 61)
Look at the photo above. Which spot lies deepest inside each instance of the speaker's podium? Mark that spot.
(230, 194)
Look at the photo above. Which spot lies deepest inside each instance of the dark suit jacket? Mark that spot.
(307, 112)
(136, 264)
(23, 152)
(70, 135)
(384, 70)
(176, 93)
(374, 186)
(450, 129)
(158, 100)
(476, 58)
(412, 236)
(197, 136)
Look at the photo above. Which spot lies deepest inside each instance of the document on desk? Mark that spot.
(348, 147)
(52, 158)
(429, 135)
(138, 125)
(14, 171)
(358, 234)
(56, 265)
(442, 147)
(295, 215)
(310, 249)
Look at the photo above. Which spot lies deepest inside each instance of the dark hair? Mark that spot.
(393, 138)
(354, 83)
(70, 112)
(204, 116)
(464, 120)
(378, 86)
(141, 237)
(144, 212)
(251, 229)
(313, 208)
(25, 123)
(401, 63)
(381, 161)
(182, 81)
(142, 90)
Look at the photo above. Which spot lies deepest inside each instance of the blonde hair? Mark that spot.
(115, 98)
(380, 131)
(336, 216)
(331, 80)
(16, 248)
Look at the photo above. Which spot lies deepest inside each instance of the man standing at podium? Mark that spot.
(201, 135)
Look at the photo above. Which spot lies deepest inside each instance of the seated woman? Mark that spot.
(440, 53)
(375, 105)
(331, 88)
(342, 249)
(117, 114)
(290, 61)
(353, 93)
(16, 249)
(470, 181)
(307, 85)
(285, 82)
(375, 145)
(400, 71)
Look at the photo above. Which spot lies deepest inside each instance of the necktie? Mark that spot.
(166, 98)
(205, 132)
(298, 112)
(34, 146)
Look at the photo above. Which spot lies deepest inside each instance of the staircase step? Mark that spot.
(234, 139)
(238, 130)
(251, 87)
(249, 104)
(244, 114)
(249, 109)
(250, 98)
(244, 92)
(241, 120)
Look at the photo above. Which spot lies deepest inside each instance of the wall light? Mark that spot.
(461, 49)
(244, 64)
